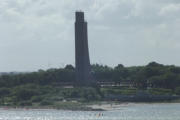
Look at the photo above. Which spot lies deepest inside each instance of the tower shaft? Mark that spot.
(81, 50)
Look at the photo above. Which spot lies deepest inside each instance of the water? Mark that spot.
(128, 112)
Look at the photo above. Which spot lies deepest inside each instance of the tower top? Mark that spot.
(79, 16)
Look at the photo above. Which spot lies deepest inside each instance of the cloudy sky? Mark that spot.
(39, 34)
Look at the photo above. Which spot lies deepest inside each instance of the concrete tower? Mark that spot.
(83, 77)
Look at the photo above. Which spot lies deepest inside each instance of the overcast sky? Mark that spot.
(39, 34)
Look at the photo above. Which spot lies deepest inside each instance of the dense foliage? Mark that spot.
(152, 75)
(45, 86)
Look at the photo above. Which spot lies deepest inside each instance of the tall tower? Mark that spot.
(83, 76)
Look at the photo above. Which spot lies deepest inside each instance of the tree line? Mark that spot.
(46, 87)
(153, 75)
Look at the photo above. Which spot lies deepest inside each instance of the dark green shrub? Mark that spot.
(4, 91)
(90, 94)
(177, 91)
(25, 103)
(160, 91)
(46, 102)
(25, 94)
(36, 98)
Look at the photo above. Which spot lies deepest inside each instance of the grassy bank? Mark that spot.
(34, 96)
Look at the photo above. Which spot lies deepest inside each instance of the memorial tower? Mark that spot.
(82, 62)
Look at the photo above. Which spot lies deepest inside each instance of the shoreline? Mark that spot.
(101, 106)
(117, 106)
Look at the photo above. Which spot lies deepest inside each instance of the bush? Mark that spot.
(160, 91)
(46, 102)
(4, 91)
(36, 98)
(25, 103)
(90, 94)
(177, 91)
(25, 94)
(118, 91)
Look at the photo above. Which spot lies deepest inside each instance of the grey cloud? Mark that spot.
(36, 33)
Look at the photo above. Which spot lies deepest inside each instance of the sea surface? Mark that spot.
(164, 111)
